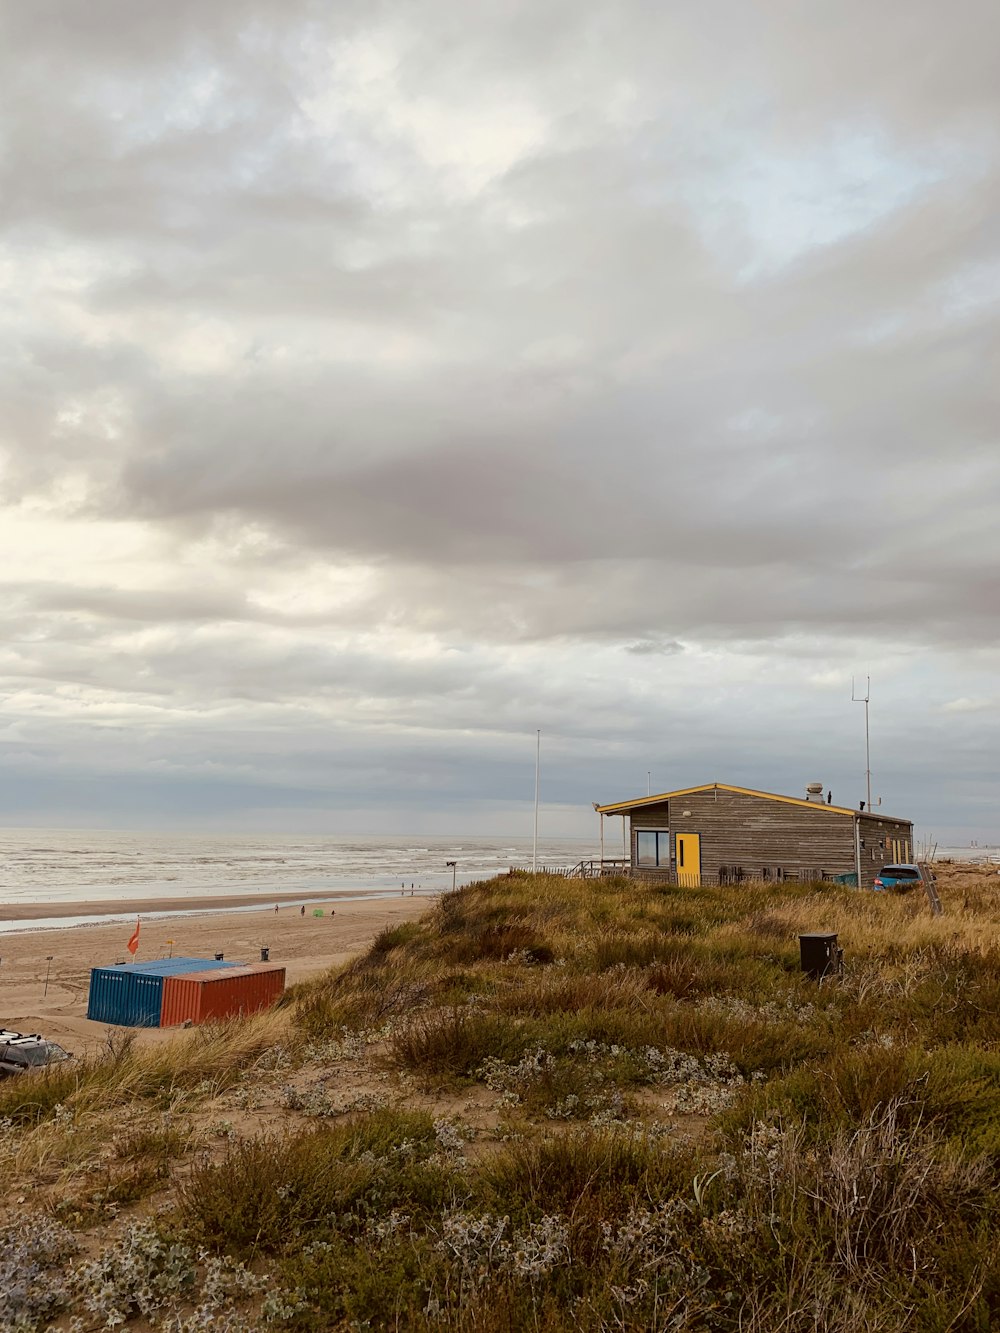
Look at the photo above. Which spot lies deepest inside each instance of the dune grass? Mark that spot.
(108, 1130)
(846, 1137)
(192, 1066)
(691, 1134)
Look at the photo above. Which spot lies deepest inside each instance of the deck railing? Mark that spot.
(592, 869)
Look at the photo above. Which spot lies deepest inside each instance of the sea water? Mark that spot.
(70, 866)
(135, 869)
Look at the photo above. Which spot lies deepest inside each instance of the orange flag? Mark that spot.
(133, 943)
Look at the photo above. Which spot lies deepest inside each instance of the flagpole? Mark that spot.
(538, 760)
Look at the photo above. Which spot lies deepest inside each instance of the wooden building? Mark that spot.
(720, 834)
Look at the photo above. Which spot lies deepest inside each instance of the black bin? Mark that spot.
(265, 953)
(820, 956)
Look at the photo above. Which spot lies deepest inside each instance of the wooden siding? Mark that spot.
(759, 838)
(651, 816)
(877, 836)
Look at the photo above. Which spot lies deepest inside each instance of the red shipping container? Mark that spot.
(220, 993)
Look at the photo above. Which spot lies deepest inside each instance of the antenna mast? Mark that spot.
(865, 699)
(538, 760)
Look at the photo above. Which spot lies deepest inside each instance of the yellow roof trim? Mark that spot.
(619, 806)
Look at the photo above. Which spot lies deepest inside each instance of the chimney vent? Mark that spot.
(814, 792)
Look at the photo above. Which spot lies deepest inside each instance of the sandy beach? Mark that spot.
(37, 911)
(303, 944)
(42, 909)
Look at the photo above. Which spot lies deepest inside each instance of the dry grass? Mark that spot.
(680, 1130)
(67, 1123)
(193, 1066)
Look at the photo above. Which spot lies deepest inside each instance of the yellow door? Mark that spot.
(689, 860)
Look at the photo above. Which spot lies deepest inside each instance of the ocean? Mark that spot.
(71, 866)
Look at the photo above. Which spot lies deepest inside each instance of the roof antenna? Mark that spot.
(538, 765)
(865, 699)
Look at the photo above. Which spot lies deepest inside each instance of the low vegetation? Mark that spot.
(570, 1105)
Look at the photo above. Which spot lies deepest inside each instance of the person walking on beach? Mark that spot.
(302, 910)
(275, 909)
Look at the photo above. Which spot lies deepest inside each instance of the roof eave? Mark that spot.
(624, 807)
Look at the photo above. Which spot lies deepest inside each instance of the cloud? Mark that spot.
(437, 377)
(659, 648)
(968, 705)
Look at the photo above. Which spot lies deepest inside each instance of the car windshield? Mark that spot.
(901, 872)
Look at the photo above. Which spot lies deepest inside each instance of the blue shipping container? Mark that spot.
(130, 995)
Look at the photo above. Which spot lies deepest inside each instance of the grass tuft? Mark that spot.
(268, 1193)
(453, 1043)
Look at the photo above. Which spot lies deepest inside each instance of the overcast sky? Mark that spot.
(381, 382)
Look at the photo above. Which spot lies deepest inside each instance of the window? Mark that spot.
(41, 1054)
(652, 848)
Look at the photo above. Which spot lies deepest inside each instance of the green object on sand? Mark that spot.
(317, 911)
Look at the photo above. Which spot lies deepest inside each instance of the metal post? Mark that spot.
(625, 852)
(648, 780)
(538, 760)
(865, 699)
(602, 840)
(454, 872)
(48, 969)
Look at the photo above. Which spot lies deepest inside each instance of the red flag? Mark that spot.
(133, 943)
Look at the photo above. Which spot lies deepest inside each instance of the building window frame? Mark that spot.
(660, 859)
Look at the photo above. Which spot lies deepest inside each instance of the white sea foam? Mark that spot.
(80, 867)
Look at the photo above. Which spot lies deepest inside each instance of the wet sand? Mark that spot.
(38, 911)
(303, 944)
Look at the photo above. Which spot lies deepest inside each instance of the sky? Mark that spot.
(382, 383)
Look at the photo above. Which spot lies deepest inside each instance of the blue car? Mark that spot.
(901, 878)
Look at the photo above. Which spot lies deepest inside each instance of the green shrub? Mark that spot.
(453, 1043)
(31, 1098)
(629, 949)
(500, 941)
(559, 991)
(596, 1175)
(343, 1283)
(271, 1194)
(362, 995)
(393, 937)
